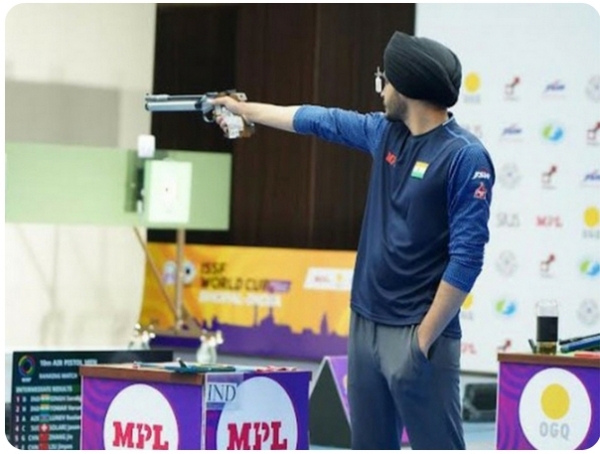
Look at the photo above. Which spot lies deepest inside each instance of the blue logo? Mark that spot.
(592, 177)
(26, 366)
(506, 307)
(553, 132)
(555, 87)
(512, 131)
(590, 268)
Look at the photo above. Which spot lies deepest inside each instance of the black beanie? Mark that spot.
(420, 68)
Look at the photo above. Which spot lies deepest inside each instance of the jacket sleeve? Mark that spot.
(343, 127)
(470, 185)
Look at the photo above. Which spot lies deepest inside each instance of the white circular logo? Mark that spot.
(506, 264)
(509, 175)
(169, 275)
(588, 312)
(261, 417)
(593, 88)
(140, 417)
(555, 410)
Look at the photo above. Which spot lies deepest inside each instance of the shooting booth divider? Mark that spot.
(329, 408)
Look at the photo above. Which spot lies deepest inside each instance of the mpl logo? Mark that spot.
(555, 410)
(591, 221)
(549, 221)
(140, 417)
(332, 279)
(472, 85)
(553, 132)
(593, 135)
(548, 177)
(264, 419)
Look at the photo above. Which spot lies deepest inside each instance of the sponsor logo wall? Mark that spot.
(540, 119)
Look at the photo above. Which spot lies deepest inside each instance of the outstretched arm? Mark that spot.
(279, 117)
(340, 126)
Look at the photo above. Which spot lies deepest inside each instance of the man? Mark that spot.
(421, 246)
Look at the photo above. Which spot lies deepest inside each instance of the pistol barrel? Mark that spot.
(174, 106)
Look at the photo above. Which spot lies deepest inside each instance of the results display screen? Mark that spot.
(46, 394)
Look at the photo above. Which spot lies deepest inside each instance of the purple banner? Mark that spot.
(130, 415)
(265, 339)
(541, 407)
(257, 411)
(339, 368)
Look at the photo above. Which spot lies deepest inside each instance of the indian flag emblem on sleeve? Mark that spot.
(419, 169)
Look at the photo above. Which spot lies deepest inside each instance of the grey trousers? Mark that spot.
(392, 385)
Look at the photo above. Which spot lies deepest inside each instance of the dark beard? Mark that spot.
(399, 113)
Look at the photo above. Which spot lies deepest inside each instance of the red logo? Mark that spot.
(252, 436)
(509, 89)
(468, 348)
(592, 133)
(138, 435)
(139, 417)
(545, 264)
(480, 192)
(504, 347)
(390, 158)
(547, 176)
(549, 221)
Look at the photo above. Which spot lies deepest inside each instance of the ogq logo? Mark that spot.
(555, 410)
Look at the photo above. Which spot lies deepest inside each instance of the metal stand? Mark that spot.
(180, 275)
(175, 306)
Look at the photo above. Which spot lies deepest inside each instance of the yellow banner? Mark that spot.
(305, 290)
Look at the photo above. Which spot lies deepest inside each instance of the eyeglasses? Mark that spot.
(380, 80)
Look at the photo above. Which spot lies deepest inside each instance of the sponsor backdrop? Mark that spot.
(531, 92)
(287, 303)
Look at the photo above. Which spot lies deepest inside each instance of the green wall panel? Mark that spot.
(64, 184)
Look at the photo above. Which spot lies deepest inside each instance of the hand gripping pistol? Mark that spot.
(236, 125)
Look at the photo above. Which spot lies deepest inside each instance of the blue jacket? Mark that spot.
(427, 211)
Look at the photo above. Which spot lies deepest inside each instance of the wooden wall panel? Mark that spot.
(288, 190)
(275, 63)
(351, 40)
(194, 53)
